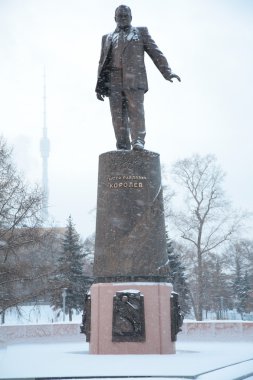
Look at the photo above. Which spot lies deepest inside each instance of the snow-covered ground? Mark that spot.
(59, 357)
(37, 314)
(68, 357)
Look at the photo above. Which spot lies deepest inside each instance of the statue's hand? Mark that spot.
(100, 97)
(173, 76)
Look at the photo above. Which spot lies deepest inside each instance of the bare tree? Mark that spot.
(205, 221)
(20, 210)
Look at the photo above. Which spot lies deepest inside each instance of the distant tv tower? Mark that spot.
(44, 150)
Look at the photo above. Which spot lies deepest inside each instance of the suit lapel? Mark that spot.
(133, 35)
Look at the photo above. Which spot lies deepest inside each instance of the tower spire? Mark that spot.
(44, 150)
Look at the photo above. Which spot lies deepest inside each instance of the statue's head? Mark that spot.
(123, 16)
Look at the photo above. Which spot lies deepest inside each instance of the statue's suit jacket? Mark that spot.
(134, 74)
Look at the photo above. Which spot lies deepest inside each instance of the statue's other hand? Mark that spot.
(100, 97)
(174, 76)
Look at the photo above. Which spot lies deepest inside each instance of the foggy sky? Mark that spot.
(209, 43)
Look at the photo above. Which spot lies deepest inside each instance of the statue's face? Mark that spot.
(123, 17)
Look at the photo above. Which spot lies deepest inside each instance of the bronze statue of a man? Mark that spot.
(122, 77)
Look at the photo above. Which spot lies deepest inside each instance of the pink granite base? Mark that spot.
(157, 319)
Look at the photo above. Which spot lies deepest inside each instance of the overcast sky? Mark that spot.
(209, 43)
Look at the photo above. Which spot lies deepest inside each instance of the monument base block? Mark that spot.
(131, 318)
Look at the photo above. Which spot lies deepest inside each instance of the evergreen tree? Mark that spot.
(242, 289)
(70, 274)
(217, 291)
(176, 275)
(89, 247)
(239, 264)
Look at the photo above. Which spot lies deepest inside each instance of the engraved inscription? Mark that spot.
(126, 182)
(120, 185)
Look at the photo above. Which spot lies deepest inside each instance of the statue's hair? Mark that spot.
(123, 6)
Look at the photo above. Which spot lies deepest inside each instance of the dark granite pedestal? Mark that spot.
(130, 300)
(130, 229)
